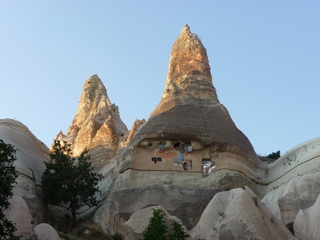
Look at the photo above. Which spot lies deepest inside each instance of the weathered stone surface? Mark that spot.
(44, 231)
(139, 221)
(307, 222)
(31, 155)
(190, 113)
(238, 214)
(300, 193)
(96, 125)
(163, 164)
(135, 127)
(184, 195)
(19, 213)
(300, 160)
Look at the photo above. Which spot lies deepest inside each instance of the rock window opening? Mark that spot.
(177, 145)
(185, 166)
(156, 159)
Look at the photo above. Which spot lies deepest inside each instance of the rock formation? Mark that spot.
(306, 224)
(185, 158)
(185, 153)
(139, 221)
(19, 213)
(44, 231)
(96, 125)
(31, 155)
(189, 116)
(239, 214)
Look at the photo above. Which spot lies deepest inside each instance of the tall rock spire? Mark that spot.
(189, 109)
(97, 121)
(189, 79)
(189, 73)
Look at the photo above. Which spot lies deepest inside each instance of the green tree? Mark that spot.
(69, 182)
(178, 232)
(8, 175)
(275, 155)
(156, 229)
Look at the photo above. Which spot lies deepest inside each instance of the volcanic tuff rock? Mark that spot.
(306, 224)
(238, 214)
(96, 125)
(188, 136)
(190, 111)
(19, 213)
(31, 155)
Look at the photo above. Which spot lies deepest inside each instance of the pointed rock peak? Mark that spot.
(186, 28)
(97, 121)
(189, 73)
(189, 79)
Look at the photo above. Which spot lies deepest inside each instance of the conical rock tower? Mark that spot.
(97, 124)
(190, 113)
(187, 151)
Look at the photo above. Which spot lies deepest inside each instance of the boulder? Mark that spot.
(19, 214)
(306, 224)
(31, 155)
(300, 193)
(44, 231)
(239, 214)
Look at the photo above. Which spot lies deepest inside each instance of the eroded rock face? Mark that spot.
(31, 155)
(306, 224)
(96, 125)
(190, 121)
(177, 158)
(300, 193)
(239, 214)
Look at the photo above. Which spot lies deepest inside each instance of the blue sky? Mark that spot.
(264, 57)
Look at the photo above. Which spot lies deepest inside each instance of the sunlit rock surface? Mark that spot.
(97, 125)
(187, 151)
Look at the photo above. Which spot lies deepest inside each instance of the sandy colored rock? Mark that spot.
(19, 214)
(96, 125)
(190, 112)
(238, 214)
(31, 155)
(135, 127)
(188, 131)
(44, 231)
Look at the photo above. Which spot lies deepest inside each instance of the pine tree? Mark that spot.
(156, 229)
(69, 182)
(8, 175)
